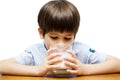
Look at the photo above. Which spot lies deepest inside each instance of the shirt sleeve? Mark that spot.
(96, 57)
(87, 55)
(25, 58)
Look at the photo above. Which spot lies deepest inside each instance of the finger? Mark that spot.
(72, 65)
(69, 71)
(52, 50)
(51, 67)
(72, 54)
(53, 55)
(54, 61)
(70, 59)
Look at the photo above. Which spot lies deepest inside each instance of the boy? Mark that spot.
(58, 24)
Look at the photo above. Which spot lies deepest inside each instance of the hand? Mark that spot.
(49, 62)
(74, 63)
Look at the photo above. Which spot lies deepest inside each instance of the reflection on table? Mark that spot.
(91, 77)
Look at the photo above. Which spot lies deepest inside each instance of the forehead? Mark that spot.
(62, 34)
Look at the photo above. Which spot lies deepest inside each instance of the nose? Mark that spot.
(61, 43)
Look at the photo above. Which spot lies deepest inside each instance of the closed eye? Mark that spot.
(67, 38)
(54, 38)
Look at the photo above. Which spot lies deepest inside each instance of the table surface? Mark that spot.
(91, 77)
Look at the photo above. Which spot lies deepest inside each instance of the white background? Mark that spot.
(99, 28)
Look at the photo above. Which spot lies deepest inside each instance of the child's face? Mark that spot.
(52, 38)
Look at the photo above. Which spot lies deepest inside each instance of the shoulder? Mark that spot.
(35, 47)
(78, 46)
(82, 47)
(31, 55)
(86, 54)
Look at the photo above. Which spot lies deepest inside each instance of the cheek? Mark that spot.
(48, 42)
(70, 42)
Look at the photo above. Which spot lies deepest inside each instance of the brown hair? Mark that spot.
(59, 15)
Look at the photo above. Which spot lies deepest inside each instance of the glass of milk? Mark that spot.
(61, 48)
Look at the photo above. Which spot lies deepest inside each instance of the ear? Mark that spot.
(40, 32)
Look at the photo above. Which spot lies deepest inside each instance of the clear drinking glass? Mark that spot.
(61, 48)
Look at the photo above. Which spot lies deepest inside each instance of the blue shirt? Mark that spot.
(35, 54)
